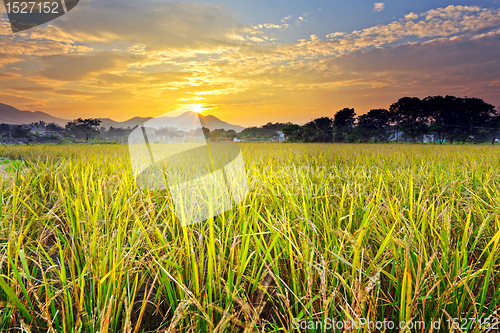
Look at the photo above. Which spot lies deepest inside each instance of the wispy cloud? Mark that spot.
(378, 7)
(282, 26)
(300, 20)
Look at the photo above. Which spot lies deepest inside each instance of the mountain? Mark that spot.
(11, 115)
(189, 120)
(213, 122)
(106, 122)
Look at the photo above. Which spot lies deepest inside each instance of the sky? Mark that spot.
(250, 62)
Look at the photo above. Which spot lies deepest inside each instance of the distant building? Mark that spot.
(429, 138)
(40, 129)
(396, 136)
(281, 136)
(45, 129)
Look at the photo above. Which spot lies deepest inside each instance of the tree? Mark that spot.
(322, 129)
(5, 129)
(343, 122)
(476, 115)
(292, 132)
(411, 117)
(20, 132)
(449, 116)
(206, 132)
(53, 127)
(257, 133)
(436, 106)
(83, 128)
(218, 134)
(275, 126)
(494, 127)
(231, 134)
(39, 123)
(374, 125)
(308, 133)
(459, 118)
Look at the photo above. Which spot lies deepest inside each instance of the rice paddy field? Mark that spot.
(328, 232)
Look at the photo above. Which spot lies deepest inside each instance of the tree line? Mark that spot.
(434, 118)
(40, 131)
(267, 132)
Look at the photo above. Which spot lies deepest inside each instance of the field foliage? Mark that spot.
(385, 232)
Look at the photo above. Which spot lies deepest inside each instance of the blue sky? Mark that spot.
(250, 62)
(325, 17)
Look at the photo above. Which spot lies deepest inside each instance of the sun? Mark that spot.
(197, 108)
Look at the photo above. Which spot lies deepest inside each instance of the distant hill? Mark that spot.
(11, 115)
(189, 120)
(213, 122)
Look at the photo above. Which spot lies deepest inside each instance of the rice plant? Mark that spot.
(328, 231)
